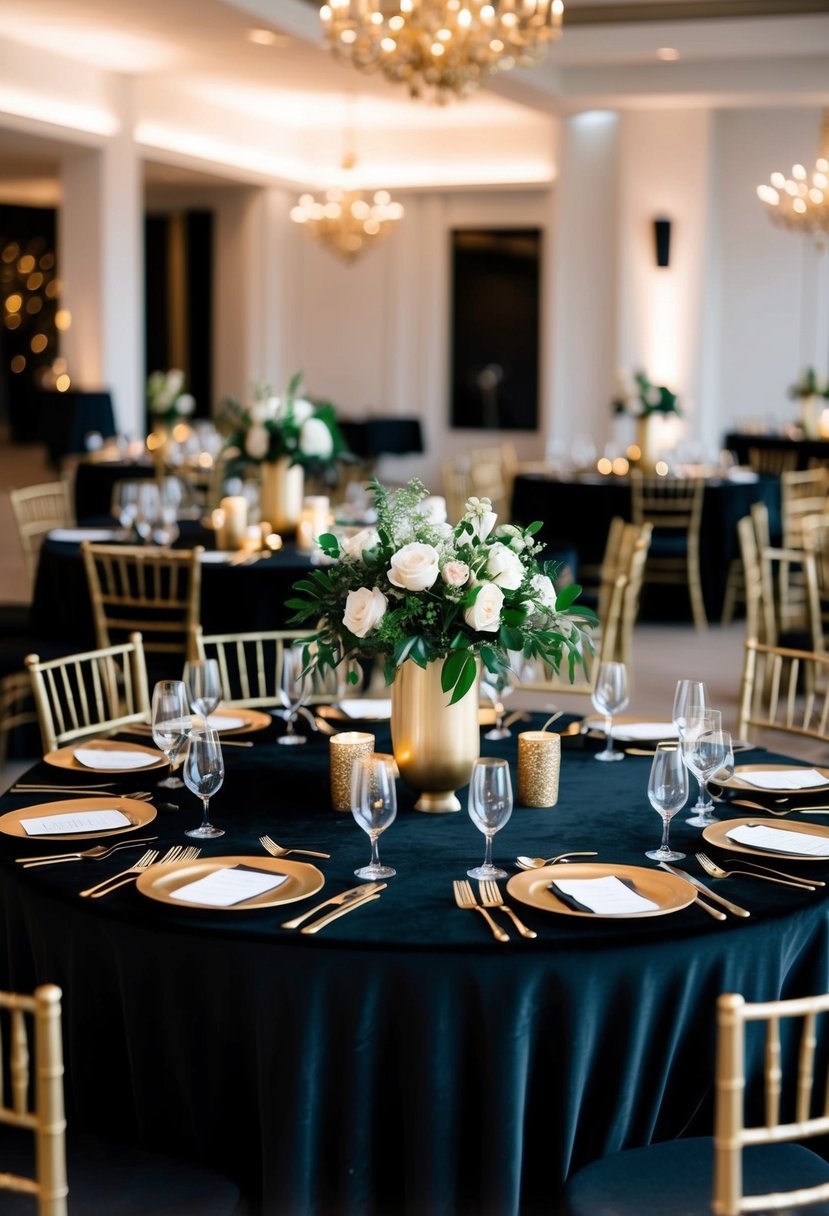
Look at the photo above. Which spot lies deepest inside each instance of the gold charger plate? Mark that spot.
(738, 781)
(64, 757)
(140, 813)
(532, 887)
(159, 882)
(716, 834)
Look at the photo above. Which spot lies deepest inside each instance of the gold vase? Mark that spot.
(281, 493)
(647, 441)
(435, 744)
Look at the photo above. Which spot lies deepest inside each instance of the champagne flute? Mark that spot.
(703, 760)
(294, 690)
(204, 772)
(148, 509)
(171, 724)
(490, 806)
(668, 793)
(374, 806)
(690, 700)
(204, 686)
(610, 695)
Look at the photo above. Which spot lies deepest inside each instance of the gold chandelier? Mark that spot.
(346, 221)
(441, 46)
(799, 203)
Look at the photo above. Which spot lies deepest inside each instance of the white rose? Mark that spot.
(504, 567)
(186, 403)
(315, 439)
(364, 610)
(257, 442)
(414, 567)
(354, 545)
(455, 574)
(259, 412)
(175, 381)
(544, 591)
(303, 410)
(485, 614)
(433, 509)
(512, 536)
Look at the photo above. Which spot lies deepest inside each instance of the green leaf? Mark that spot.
(308, 587)
(534, 527)
(567, 596)
(511, 639)
(329, 544)
(466, 678)
(514, 616)
(452, 667)
(299, 605)
(352, 678)
(403, 650)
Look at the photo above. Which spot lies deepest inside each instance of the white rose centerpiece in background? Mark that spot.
(290, 427)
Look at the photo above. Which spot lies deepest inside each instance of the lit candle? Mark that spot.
(230, 533)
(313, 521)
(344, 750)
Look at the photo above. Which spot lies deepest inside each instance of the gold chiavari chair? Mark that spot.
(772, 462)
(81, 694)
(17, 708)
(745, 1166)
(154, 591)
(63, 1174)
(802, 494)
(784, 689)
(38, 509)
(673, 507)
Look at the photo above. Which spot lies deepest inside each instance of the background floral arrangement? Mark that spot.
(415, 587)
(637, 397)
(166, 398)
(292, 426)
(809, 386)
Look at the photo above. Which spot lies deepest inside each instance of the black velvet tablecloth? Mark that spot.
(400, 1062)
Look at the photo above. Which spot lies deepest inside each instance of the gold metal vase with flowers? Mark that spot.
(435, 744)
(280, 494)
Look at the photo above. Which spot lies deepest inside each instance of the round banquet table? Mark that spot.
(400, 1061)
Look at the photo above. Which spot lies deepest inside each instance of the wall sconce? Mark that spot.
(662, 241)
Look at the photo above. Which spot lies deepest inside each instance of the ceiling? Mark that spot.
(299, 106)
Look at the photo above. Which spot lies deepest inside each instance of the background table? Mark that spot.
(804, 450)
(584, 507)
(401, 1061)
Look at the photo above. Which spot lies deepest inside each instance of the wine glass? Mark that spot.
(705, 747)
(204, 686)
(204, 772)
(294, 690)
(171, 724)
(374, 806)
(610, 694)
(148, 509)
(497, 688)
(690, 700)
(127, 504)
(490, 806)
(668, 793)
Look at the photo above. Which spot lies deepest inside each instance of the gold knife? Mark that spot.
(345, 897)
(341, 911)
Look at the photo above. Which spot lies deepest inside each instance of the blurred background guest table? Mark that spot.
(768, 451)
(401, 1060)
(587, 503)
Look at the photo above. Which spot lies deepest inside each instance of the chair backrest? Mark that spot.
(251, 668)
(772, 461)
(83, 693)
(790, 1100)
(155, 591)
(674, 503)
(36, 1106)
(38, 509)
(784, 690)
(801, 494)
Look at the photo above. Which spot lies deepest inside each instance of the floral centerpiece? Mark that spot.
(811, 394)
(639, 398)
(167, 400)
(272, 427)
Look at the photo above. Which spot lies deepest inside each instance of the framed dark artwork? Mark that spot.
(494, 315)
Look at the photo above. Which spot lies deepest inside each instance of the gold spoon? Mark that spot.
(535, 863)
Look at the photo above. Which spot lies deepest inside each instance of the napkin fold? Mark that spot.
(92, 757)
(367, 710)
(608, 896)
(79, 534)
(104, 820)
(630, 732)
(228, 886)
(779, 840)
(786, 779)
(224, 722)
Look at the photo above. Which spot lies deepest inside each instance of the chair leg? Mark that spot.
(734, 591)
(695, 591)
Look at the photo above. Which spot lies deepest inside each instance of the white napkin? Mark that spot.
(216, 556)
(608, 896)
(79, 534)
(779, 840)
(367, 710)
(75, 822)
(648, 731)
(788, 779)
(91, 757)
(233, 885)
(224, 722)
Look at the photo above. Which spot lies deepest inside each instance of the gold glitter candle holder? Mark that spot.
(539, 764)
(344, 750)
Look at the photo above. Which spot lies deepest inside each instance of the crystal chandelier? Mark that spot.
(799, 203)
(441, 47)
(346, 221)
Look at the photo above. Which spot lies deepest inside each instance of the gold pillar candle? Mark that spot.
(234, 511)
(344, 749)
(539, 763)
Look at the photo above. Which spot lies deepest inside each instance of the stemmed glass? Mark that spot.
(148, 511)
(668, 793)
(490, 806)
(690, 700)
(204, 686)
(497, 688)
(295, 689)
(171, 724)
(610, 695)
(204, 772)
(705, 747)
(374, 806)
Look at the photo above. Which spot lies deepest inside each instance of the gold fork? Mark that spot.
(491, 897)
(465, 898)
(177, 852)
(146, 859)
(716, 871)
(276, 850)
